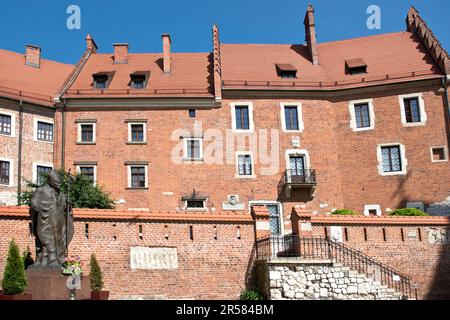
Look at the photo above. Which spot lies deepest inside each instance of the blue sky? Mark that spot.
(141, 23)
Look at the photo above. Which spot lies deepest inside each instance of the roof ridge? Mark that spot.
(42, 59)
(365, 37)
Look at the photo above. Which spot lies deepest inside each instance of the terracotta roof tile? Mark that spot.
(37, 85)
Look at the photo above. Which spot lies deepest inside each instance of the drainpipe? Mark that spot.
(63, 136)
(447, 104)
(19, 154)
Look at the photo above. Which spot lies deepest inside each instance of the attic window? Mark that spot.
(355, 66)
(286, 71)
(102, 80)
(139, 80)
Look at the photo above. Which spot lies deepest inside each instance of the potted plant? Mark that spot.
(97, 281)
(14, 279)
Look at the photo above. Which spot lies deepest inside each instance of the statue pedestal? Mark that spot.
(49, 284)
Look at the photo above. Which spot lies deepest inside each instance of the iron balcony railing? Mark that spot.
(299, 177)
(313, 248)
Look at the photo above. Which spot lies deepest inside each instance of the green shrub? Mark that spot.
(14, 278)
(410, 212)
(83, 194)
(344, 212)
(96, 275)
(250, 294)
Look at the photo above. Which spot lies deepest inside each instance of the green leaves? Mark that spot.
(410, 212)
(14, 278)
(96, 275)
(250, 294)
(344, 212)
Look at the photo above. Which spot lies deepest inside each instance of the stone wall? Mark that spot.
(322, 281)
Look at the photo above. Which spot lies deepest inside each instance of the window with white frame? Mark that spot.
(412, 109)
(195, 204)
(41, 173)
(43, 130)
(193, 149)
(291, 117)
(372, 210)
(7, 124)
(89, 171)
(242, 117)
(137, 132)
(362, 115)
(86, 132)
(244, 165)
(439, 154)
(6, 172)
(391, 159)
(137, 176)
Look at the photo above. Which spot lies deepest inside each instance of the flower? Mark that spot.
(72, 266)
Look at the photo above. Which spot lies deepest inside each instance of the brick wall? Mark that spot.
(215, 264)
(417, 247)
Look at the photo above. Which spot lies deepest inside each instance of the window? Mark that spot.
(193, 149)
(195, 204)
(138, 81)
(439, 154)
(41, 173)
(362, 115)
(355, 66)
(242, 117)
(137, 132)
(89, 172)
(412, 110)
(44, 131)
(5, 174)
(372, 210)
(391, 159)
(87, 133)
(192, 113)
(287, 71)
(138, 177)
(358, 70)
(291, 117)
(5, 124)
(244, 165)
(102, 80)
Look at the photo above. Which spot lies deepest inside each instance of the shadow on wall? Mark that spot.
(440, 287)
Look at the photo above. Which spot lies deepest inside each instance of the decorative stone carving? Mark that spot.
(233, 204)
(336, 233)
(295, 142)
(153, 258)
(438, 235)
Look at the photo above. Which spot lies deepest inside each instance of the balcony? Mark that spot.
(294, 181)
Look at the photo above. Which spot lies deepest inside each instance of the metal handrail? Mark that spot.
(317, 248)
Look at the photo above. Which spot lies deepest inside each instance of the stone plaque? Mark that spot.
(153, 258)
(336, 233)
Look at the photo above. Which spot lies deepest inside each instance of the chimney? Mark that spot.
(167, 58)
(90, 44)
(33, 56)
(120, 52)
(310, 32)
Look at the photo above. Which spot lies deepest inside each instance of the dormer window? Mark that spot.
(355, 66)
(286, 71)
(139, 80)
(102, 80)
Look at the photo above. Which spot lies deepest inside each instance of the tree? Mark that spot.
(96, 275)
(14, 278)
(83, 193)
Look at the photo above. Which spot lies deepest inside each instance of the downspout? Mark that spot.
(447, 109)
(19, 155)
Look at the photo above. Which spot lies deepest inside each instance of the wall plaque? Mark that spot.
(153, 258)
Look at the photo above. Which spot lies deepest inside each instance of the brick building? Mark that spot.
(360, 124)
(27, 87)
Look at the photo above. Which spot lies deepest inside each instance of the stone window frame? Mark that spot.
(251, 125)
(39, 164)
(79, 166)
(11, 172)
(204, 208)
(301, 125)
(266, 226)
(36, 120)
(130, 123)
(351, 108)
(445, 154)
(423, 114)
(369, 207)
(129, 185)
(236, 157)
(300, 153)
(185, 149)
(403, 159)
(94, 132)
(13, 123)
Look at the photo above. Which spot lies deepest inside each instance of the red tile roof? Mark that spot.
(399, 55)
(36, 85)
(190, 76)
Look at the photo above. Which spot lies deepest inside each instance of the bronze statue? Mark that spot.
(52, 222)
